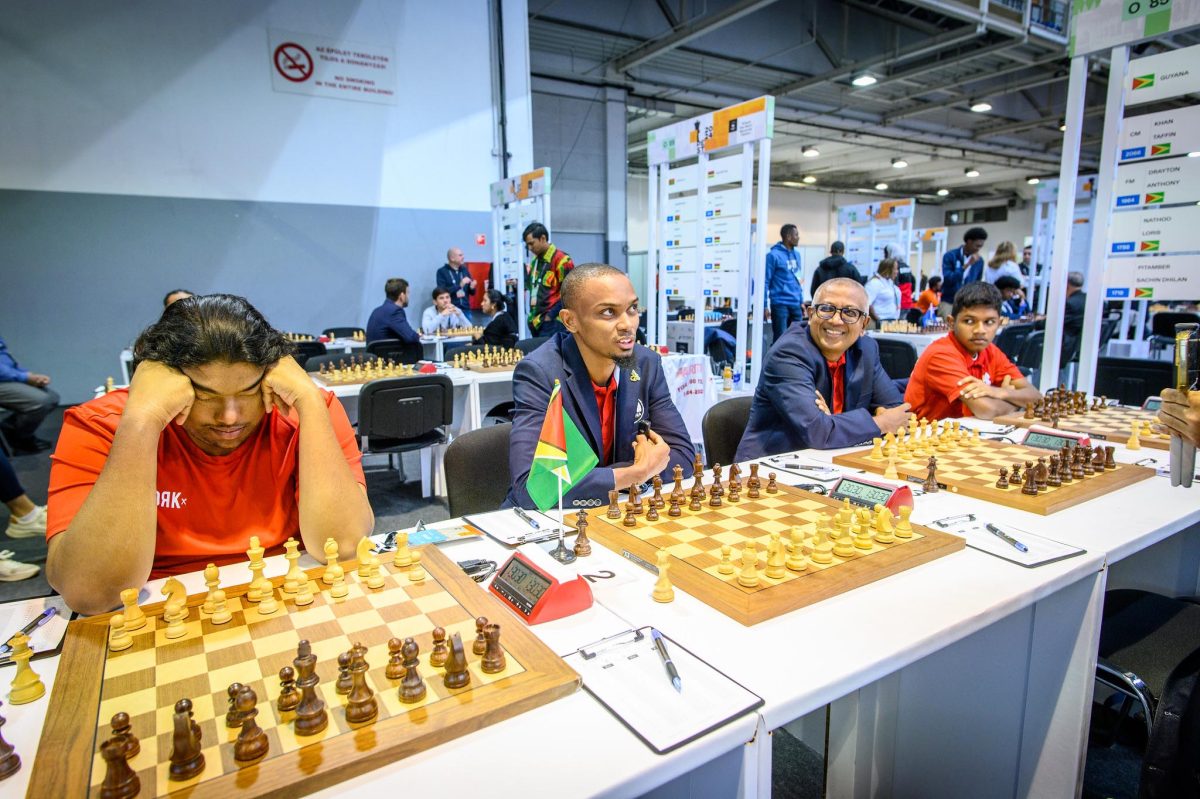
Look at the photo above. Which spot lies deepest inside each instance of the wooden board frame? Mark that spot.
(68, 743)
(1086, 424)
(750, 606)
(1052, 501)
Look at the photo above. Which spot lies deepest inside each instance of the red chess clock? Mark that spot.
(868, 494)
(536, 596)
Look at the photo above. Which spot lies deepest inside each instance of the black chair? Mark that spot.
(462, 349)
(402, 414)
(306, 350)
(898, 358)
(1029, 358)
(1011, 337)
(1131, 380)
(332, 359)
(722, 428)
(477, 476)
(397, 350)
(343, 332)
(1162, 328)
(528, 345)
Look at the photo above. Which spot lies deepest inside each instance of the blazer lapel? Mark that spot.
(851, 377)
(629, 393)
(579, 388)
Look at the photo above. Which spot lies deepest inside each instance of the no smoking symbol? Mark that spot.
(293, 62)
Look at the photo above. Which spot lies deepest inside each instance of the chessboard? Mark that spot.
(359, 371)
(488, 359)
(148, 678)
(971, 467)
(695, 542)
(909, 328)
(1097, 419)
(453, 332)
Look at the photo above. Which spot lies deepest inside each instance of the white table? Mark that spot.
(347, 345)
(435, 345)
(918, 340)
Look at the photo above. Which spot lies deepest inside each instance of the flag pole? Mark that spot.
(561, 553)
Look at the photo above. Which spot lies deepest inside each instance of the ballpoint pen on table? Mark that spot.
(528, 519)
(1006, 538)
(41, 619)
(661, 646)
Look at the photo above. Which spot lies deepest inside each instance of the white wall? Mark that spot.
(1016, 228)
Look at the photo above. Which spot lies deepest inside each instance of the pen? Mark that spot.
(527, 518)
(1006, 538)
(42, 618)
(661, 646)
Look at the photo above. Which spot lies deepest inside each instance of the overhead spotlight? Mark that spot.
(1194, 154)
(881, 187)
(971, 172)
(899, 163)
(810, 151)
(943, 192)
(863, 79)
(810, 179)
(981, 106)
(1033, 181)
(1063, 127)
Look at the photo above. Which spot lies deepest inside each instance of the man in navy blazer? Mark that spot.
(822, 385)
(610, 388)
(961, 266)
(388, 320)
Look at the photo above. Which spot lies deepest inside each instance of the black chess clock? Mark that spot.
(535, 595)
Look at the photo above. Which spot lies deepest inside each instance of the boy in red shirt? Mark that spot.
(220, 436)
(962, 374)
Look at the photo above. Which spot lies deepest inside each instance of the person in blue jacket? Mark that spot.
(961, 266)
(388, 320)
(612, 388)
(785, 297)
(823, 386)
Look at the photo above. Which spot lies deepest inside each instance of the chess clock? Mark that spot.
(1152, 404)
(1052, 439)
(869, 494)
(536, 596)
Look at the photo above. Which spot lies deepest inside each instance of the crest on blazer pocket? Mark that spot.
(640, 413)
(634, 377)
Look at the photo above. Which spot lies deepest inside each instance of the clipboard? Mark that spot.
(625, 673)
(510, 529)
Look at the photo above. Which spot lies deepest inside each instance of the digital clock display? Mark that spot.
(864, 494)
(1047, 441)
(1152, 404)
(524, 581)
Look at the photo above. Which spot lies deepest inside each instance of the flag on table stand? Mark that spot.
(563, 456)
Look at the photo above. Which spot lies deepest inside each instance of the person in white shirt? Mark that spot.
(882, 292)
(1003, 262)
(442, 314)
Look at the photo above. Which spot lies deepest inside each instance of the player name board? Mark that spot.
(1167, 133)
(1155, 230)
(1160, 77)
(736, 124)
(1166, 277)
(1158, 182)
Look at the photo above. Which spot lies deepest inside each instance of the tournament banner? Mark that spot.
(1168, 182)
(1154, 230)
(1166, 277)
(1161, 135)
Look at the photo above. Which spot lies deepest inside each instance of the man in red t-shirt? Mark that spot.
(963, 373)
(221, 436)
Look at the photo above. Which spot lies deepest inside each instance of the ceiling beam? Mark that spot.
(925, 69)
(927, 28)
(1041, 80)
(1028, 124)
(668, 14)
(686, 32)
(978, 76)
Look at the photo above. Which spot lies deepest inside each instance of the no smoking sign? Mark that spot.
(293, 62)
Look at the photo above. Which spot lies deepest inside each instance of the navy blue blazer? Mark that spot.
(784, 416)
(955, 273)
(389, 321)
(645, 399)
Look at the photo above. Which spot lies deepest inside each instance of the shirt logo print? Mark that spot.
(171, 499)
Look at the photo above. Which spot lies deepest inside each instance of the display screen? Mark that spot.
(862, 493)
(1047, 441)
(1152, 404)
(525, 580)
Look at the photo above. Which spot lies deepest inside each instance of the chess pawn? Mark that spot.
(175, 625)
(583, 546)
(772, 486)
(304, 595)
(823, 548)
(630, 519)
(876, 449)
(749, 574)
(395, 666)
(122, 729)
(289, 695)
(674, 510)
(480, 643)
(440, 651)
(416, 572)
(135, 617)
(120, 781)
(663, 592)
(1003, 481)
(233, 717)
(651, 512)
(843, 546)
(890, 472)
(1135, 441)
(375, 579)
(775, 560)
(339, 589)
(726, 564)
(795, 560)
(252, 742)
(345, 680)
(412, 687)
(493, 658)
(267, 604)
(118, 637)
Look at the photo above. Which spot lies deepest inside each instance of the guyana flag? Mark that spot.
(1143, 81)
(1149, 246)
(1160, 149)
(1154, 197)
(562, 458)
(1143, 293)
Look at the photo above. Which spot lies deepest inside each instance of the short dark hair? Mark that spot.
(837, 248)
(214, 327)
(167, 296)
(786, 229)
(537, 230)
(977, 294)
(1007, 282)
(935, 281)
(573, 283)
(498, 300)
(394, 288)
(439, 291)
(975, 234)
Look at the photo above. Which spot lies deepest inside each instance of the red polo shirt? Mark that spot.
(606, 403)
(933, 390)
(837, 381)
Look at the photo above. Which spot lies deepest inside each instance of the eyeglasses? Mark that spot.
(826, 311)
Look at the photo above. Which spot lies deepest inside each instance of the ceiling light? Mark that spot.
(810, 151)
(863, 80)
(1033, 181)
(972, 172)
(1063, 127)
(899, 163)
(981, 106)
(880, 187)
(1194, 154)
(809, 179)
(943, 192)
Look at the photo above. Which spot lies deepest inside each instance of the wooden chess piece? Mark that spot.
(663, 591)
(135, 617)
(345, 681)
(1040, 474)
(904, 526)
(252, 742)
(1003, 481)
(772, 486)
(27, 686)
(651, 512)
(120, 781)
(1016, 477)
(122, 730)
(931, 485)
(416, 572)
(1053, 480)
(457, 675)
(233, 718)
(1110, 463)
(657, 499)
(884, 531)
(1030, 486)
(726, 564)
(614, 505)
(187, 759)
(412, 688)
(304, 595)
(10, 761)
(118, 637)
(311, 716)
(221, 613)
(333, 569)
(395, 666)
(876, 449)
(795, 559)
(583, 546)
(630, 519)
(361, 704)
(775, 559)
(749, 574)
(289, 695)
(1098, 459)
(493, 657)
(212, 579)
(677, 491)
(1134, 441)
(635, 499)
(404, 556)
(440, 651)
(480, 643)
(1085, 460)
(674, 509)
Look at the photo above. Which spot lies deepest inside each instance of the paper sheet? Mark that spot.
(43, 640)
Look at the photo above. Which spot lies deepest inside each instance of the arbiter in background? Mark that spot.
(610, 387)
(822, 384)
(785, 297)
(221, 435)
(543, 280)
(456, 278)
(962, 374)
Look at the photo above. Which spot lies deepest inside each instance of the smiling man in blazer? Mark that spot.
(823, 386)
(611, 387)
